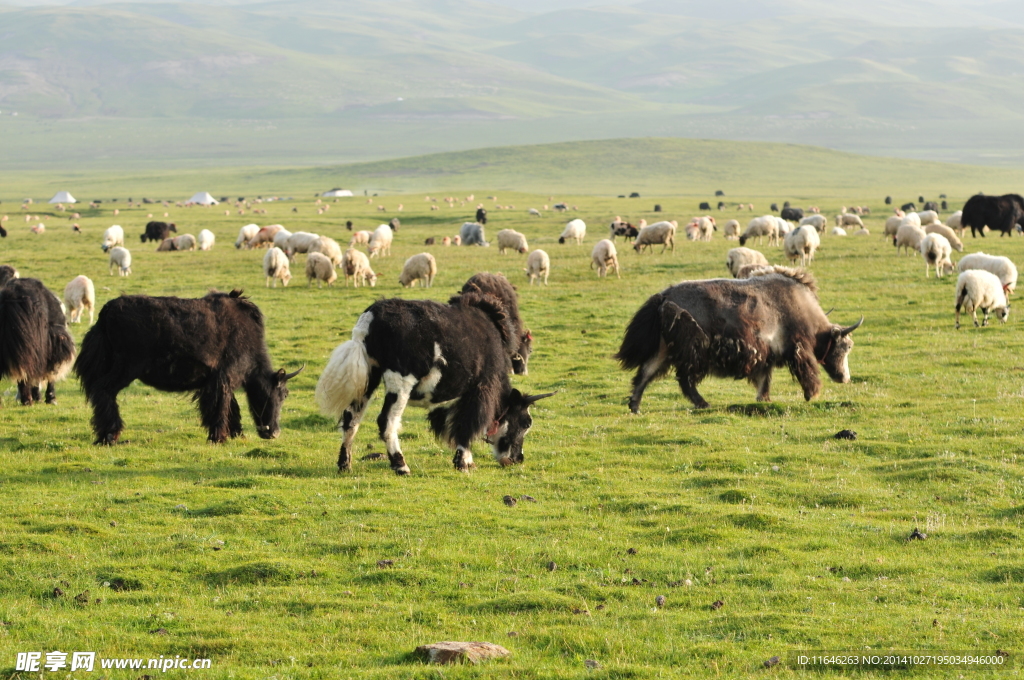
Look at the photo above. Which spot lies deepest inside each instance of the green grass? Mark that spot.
(261, 557)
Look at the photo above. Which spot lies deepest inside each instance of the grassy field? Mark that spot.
(259, 556)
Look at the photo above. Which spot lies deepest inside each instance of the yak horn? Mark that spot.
(850, 329)
(830, 311)
(531, 399)
(289, 376)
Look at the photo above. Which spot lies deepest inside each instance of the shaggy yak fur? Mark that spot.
(453, 359)
(998, 213)
(158, 231)
(35, 345)
(210, 346)
(741, 328)
(499, 286)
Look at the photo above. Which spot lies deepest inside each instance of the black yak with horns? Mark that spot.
(210, 346)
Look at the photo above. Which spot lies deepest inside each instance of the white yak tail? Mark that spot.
(344, 380)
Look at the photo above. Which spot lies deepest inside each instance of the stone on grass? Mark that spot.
(460, 652)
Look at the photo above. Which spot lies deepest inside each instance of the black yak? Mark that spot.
(741, 328)
(453, 359)
(158, 231)
(481, 215)
(793, 214)
(999, 213)
(35, 345)
(499, 286)
(210, 346)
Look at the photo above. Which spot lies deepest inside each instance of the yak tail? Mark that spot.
(643, 335)
(95, 361)
(347, 375)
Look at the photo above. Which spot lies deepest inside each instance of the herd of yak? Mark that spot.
(452, 358)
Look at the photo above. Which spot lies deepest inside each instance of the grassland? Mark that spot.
(261, 557)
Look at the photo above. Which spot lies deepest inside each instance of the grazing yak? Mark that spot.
(158, 231)
(210, 346)
(500, 287)
(736, 328)
(35, 345)
(481, 216)
(453, 359)
(792, 214)
(999, 213)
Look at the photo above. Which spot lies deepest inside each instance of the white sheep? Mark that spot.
(79, 294)
(328, 247)
(275, 266)
(979, 289)
(538, 265)
(320, 267)
(950, 235)
(206, 240)
(928, 217)
(471, 234)
(953, 222)
(801, 243)
(738, 258)
(705, 228)
(848, 220)
(265, 236)
(113, 236)
(838, 231)
(892, 225)
(862, 232)
(935, 250)
(605, 257)
(422, 268)
(357, 267)
(185, 242)
(380, 241)
(360, 237)
(908, 237)
(245, 235)
(782, 226)
(912, 218)
(534, 212)
(653, 234)
(1002, 267)
(510, 238)
(574, 230)
(299, 242)
(280, 239)
(731, 230)
(761, 226)
(817, 221)
(120, 258)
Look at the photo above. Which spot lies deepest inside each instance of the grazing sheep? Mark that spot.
(430, 241)
(731, 229)
(928, 217)
(534, 212)
(206, 240)
(605, 257)
(950, 235)
(838, 231)
(953, 222)
(908, 236)
(113, 236)
(659, 232)
(300, 242)
(456, 240)
(281, 239)
(538, 265)
(245, 235)
(320, 267)
(328, 247)
(357, 267)
(912, 218)
(122, 259)
(79, 294)
(862, 232)
(380, 241)
(817, 221)
(275, 266)
(446, 241)
(935, 250)
(471, 234)
(801, 243)
(761, 226)
(509, 238)
(848, 220)
(265, 236)
(1002, 267)
(892, 225)
(185, 242)
(360, 237)
(979, 289)
(705, 227)
(167, 245)
(422, 268)
(737, 258)
(574, 230)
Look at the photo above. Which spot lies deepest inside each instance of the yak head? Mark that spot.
(520, 359)
(507, 433)
(266, 399)
(837, 356)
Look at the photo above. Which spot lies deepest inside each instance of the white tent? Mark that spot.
(334, 193)
(63, 197)
(203, 198)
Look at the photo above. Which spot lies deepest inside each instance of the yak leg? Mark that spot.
(234, 418)
(763, 383)
(51, 393)
(350, 420)
(689, 387)
(215, 399)
(106, 417)
(650, 370)
(27, 395)
(389, 421)
(804, 368)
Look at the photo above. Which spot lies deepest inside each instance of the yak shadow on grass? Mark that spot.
(765, 409)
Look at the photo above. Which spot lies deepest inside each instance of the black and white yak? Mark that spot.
(499, 286)
(736, 328)
(210, 346)
(999, 213)
(35, 345)
(452, 359)
(158, 231)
